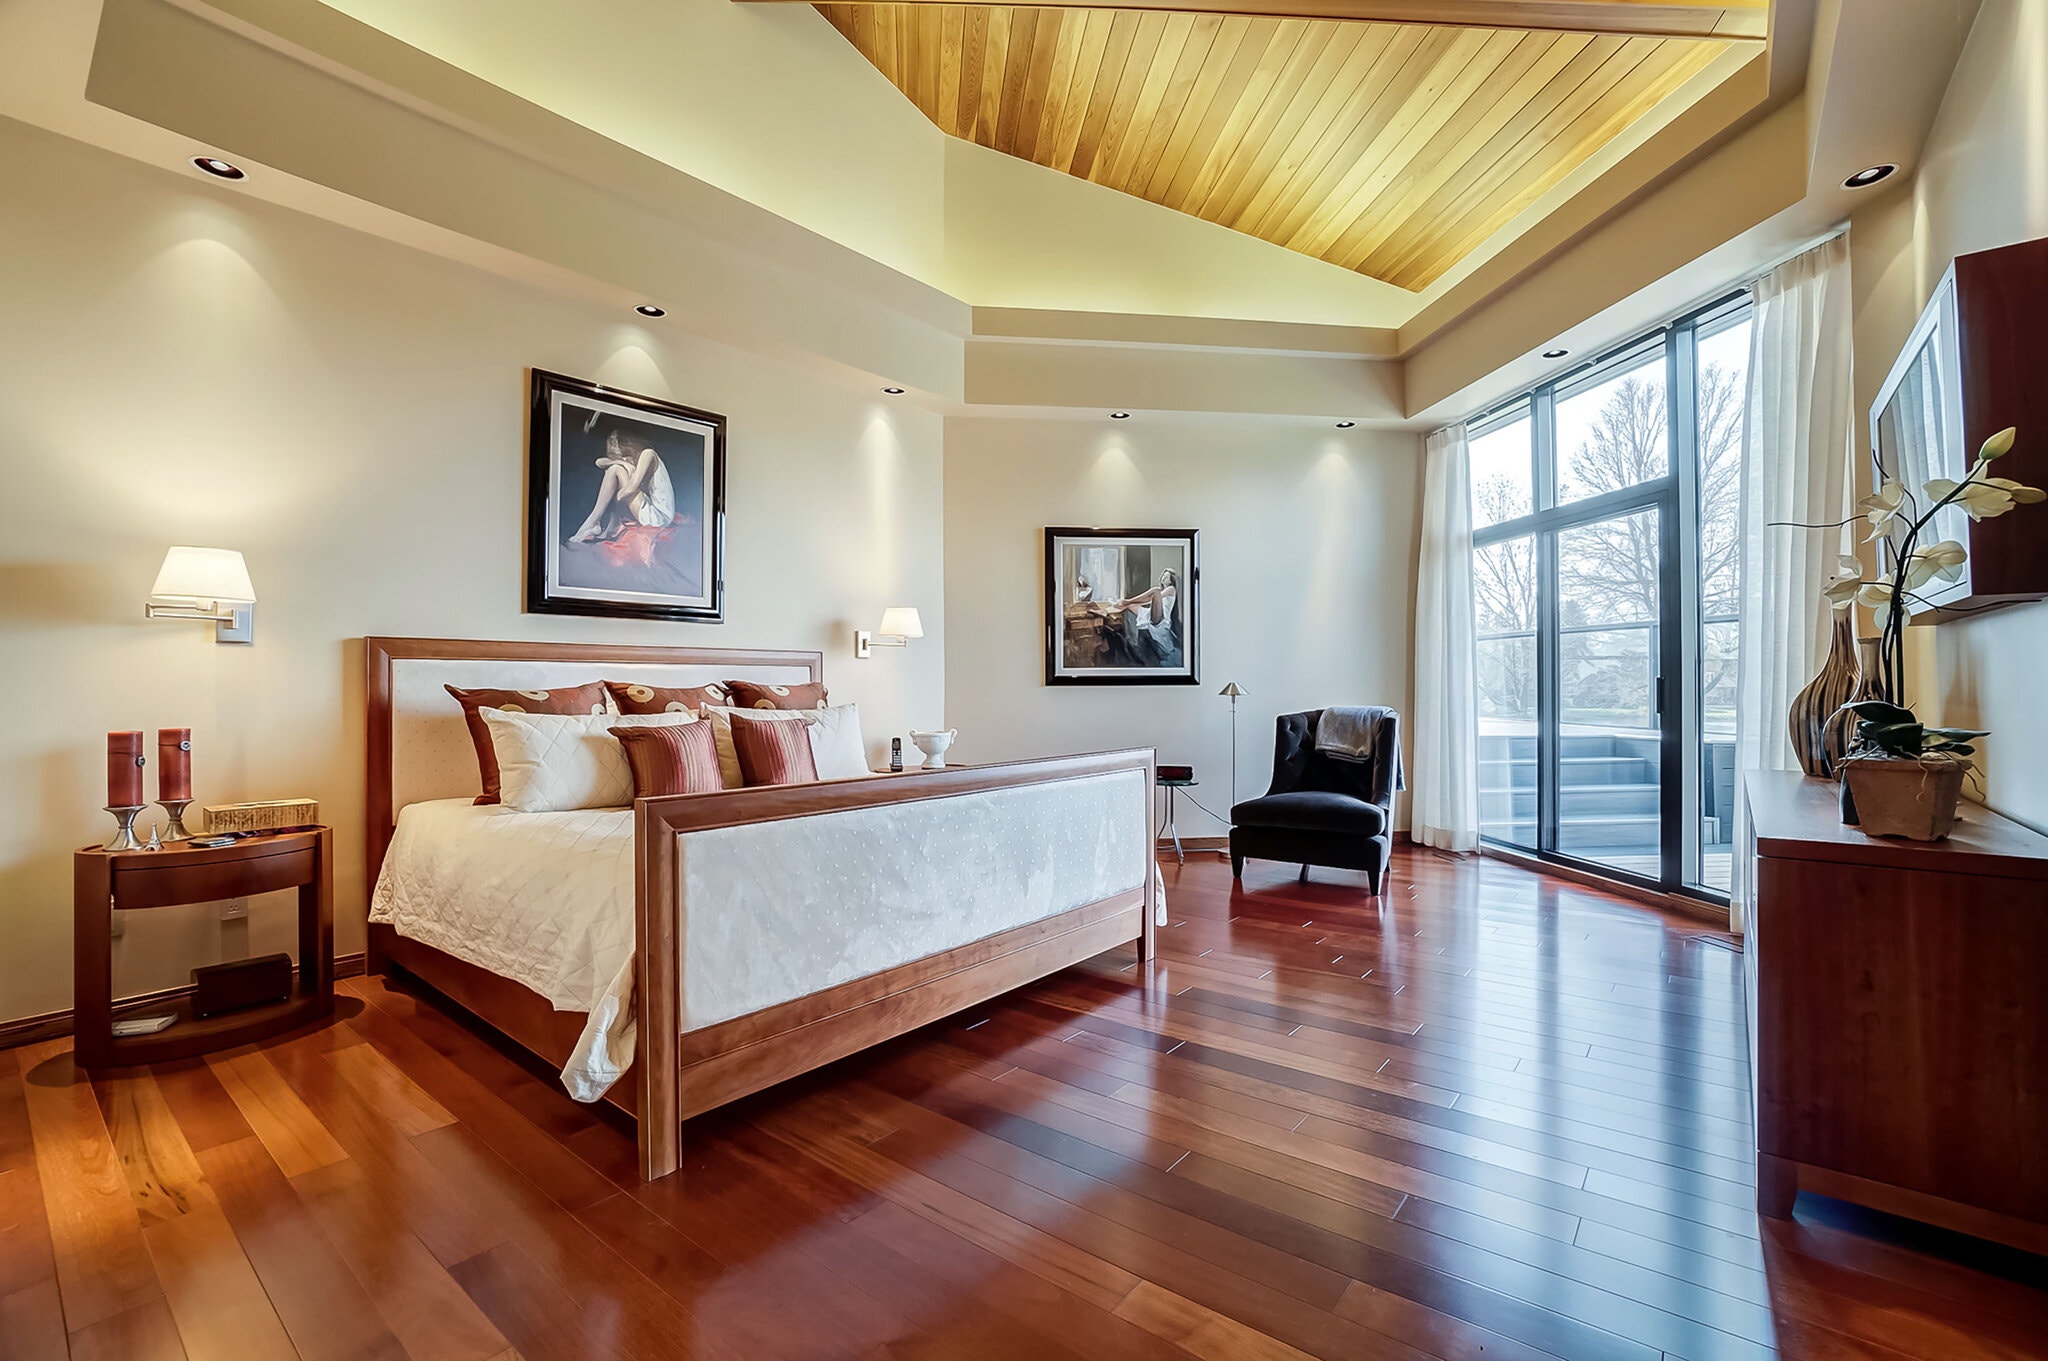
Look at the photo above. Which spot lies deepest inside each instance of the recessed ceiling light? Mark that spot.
(1119, 415)
(648, 309)
(1345, 425)
(1863, 179)
(1555, 354)
(214, 165)
(893, 391)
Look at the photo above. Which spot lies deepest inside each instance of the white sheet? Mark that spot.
(771, 911)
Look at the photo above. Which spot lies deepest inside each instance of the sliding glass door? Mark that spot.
(1603, 507)
(1610, 729)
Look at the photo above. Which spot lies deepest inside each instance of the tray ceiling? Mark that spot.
(1393, 149)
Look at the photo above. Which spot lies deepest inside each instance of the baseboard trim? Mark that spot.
(1649, 897)
(55, 1025)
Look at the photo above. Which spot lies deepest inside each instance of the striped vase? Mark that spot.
(1819, 738)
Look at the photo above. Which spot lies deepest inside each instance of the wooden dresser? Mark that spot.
(1898, 996)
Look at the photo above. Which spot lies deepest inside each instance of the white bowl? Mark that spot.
(933, 745)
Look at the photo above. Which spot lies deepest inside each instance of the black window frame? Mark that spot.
(1680, 629)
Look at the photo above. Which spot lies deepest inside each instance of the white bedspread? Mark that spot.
(771, 911)
(544, 899)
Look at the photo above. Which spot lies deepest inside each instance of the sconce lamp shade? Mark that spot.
(203, 576)
(901, 621)
(1233, 690)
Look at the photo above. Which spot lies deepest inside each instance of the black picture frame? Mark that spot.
(657, 552)
(1092, 637)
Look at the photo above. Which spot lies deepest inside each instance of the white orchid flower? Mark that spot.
(1984, 498)
(1878, 596)
(1944, 560)
(1999, 444)
(1884, 505)
(1847, 580)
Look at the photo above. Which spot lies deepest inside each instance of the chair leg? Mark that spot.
(1304, 874)
(1376, 878)
(1236, 865)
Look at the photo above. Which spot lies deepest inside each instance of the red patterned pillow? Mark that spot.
(773, 750)
(634, 698)
(754, 695)
(571, 699)
(678, 758)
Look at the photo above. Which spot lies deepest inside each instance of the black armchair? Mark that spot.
(1321, 810)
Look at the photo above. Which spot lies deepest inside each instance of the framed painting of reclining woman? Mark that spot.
(625, 504)
(1122, 607)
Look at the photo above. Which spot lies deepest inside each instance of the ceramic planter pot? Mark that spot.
(1905, 798)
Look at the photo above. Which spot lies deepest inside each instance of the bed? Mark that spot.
(691, 950)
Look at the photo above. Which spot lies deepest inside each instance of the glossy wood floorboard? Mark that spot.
(1487, 1116)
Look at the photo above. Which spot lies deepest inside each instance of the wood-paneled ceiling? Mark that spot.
(1394, 149)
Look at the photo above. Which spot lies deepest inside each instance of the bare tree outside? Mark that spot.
(1613, 564)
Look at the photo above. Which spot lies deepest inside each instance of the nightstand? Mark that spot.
(104, 881)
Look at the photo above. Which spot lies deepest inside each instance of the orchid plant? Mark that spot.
(1894, 513)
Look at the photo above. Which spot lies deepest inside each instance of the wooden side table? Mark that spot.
(127, 880)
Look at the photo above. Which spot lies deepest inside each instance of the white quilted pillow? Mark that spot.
(837, 747)
(548, 763)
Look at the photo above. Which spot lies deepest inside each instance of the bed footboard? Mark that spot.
(692, 1059)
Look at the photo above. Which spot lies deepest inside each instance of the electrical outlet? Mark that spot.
(234, 909)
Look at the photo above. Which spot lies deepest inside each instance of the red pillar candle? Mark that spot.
(124, 769)
(173, 763)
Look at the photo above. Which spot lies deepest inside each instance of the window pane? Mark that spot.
(1613, 434)
(1723, 383)
(1503, 475)
(1609, 757)
(1504, 599)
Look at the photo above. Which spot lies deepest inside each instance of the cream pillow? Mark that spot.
(549, 763)
(721, 730)
(837, 748)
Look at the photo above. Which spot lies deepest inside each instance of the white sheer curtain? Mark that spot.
(1444, 802)
(1798, 440)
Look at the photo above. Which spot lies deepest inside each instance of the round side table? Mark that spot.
(1169, 826)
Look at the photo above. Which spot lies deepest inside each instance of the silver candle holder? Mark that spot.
(176, 809)
(123, 838)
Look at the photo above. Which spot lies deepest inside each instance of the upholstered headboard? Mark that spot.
(419, 747)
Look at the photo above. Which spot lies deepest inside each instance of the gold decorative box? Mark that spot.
(268, 815)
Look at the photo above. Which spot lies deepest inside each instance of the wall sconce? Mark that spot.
(899, 625)
(206, 583)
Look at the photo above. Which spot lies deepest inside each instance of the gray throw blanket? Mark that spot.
(1350, 734)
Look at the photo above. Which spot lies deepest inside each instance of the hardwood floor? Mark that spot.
(1487, 1116)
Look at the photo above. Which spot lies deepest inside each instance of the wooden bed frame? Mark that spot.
(676, 1075)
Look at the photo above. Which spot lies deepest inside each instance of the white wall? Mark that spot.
(180, 364)
(1983, 183)
(1308, 581)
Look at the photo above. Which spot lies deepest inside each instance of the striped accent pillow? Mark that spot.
(634, 698)
(773, 751)
(755, 695)
(677, 759)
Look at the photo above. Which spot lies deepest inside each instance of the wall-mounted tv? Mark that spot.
(1975, 363)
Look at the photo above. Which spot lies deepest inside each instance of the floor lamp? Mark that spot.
(1233, 690)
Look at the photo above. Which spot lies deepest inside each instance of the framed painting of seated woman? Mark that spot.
(1123, 607)
(625, 504)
